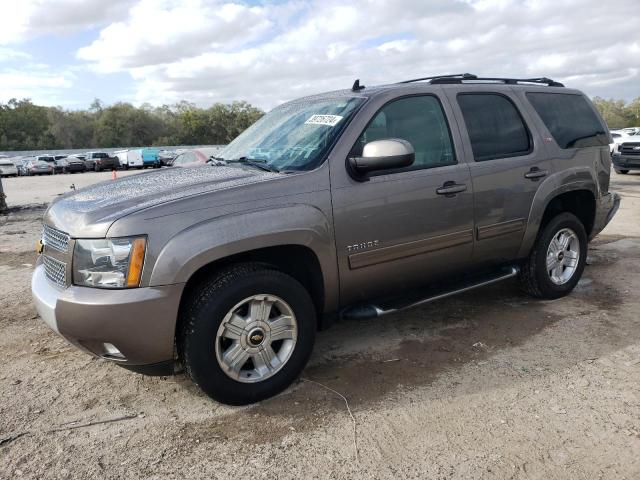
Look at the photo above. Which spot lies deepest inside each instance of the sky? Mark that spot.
(68, 52)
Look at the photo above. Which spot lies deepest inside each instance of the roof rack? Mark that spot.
(454, 76)
(468, 77)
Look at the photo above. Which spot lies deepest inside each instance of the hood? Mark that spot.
(90, 211)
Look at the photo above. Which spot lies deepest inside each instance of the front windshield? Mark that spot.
(294, 136)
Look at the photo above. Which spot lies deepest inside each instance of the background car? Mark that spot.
(194, 157)
(70, 165)
(22, 165)
(150, 157)
(619, 137)
(99, 161)
(7, 168)
(122, 156)
(38, 167)
(50, 159)
(166, 157)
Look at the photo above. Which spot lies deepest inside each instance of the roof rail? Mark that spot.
(454, 76)
(468, 77)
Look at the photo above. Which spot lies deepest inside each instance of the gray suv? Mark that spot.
(350, 204)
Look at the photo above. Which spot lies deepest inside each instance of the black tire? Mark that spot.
(206, 307)
(534, 278)
(622, 171)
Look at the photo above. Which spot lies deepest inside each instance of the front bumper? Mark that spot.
(626, 162)
(606, 207)
(140, 322)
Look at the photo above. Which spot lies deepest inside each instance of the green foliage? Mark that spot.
(617, 113)
(25, 126)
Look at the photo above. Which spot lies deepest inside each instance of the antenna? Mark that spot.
(356, 86)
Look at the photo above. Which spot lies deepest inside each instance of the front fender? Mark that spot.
(577, 178)
(215, 239)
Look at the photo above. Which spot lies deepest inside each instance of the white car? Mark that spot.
(8, 168)
(619, 137)
(135, 159)
(123, 156)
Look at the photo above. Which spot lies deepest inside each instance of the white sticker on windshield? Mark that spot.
(330, 120)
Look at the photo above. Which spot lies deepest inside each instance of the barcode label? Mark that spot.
(329, 120)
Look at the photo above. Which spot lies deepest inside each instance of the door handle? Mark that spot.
(535, 173)
(451, 188)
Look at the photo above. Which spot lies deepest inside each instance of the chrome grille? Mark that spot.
(55, 239)
(55, 270)
(630, 149)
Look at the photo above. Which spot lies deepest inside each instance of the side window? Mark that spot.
(420, 120)
(570, 119)
(495, 127)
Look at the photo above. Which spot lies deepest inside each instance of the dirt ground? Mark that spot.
(489, 384)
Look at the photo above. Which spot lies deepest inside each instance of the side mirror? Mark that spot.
(386, 154)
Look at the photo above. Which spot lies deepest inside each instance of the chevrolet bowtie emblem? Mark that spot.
(39, 246)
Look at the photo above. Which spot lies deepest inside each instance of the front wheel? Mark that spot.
(247, 333)
(557, 259)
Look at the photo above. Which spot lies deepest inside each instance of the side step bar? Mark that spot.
(381, 308)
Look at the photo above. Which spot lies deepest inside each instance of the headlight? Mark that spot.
(109, 263)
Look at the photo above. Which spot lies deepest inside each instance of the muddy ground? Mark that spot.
(489, 384)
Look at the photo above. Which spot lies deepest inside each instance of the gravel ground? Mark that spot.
(489, 384)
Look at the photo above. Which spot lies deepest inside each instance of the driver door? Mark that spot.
(404, 227)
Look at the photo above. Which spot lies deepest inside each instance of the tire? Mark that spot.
(622, 171)
(535, 279)
(201, 344)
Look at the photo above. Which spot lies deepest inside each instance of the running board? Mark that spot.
(362, 311)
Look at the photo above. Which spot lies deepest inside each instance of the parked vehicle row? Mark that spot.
(78, 163)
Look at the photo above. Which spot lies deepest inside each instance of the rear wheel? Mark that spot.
(247, 333)
(622, 171)
(557, 259)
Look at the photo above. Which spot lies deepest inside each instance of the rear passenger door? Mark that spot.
(508, 162)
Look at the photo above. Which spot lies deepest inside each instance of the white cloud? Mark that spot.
(216, 51)
(23, 19)
(35, 82)
(221, 50)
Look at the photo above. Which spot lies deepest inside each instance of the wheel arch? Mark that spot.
(295, 239)
(577, 197)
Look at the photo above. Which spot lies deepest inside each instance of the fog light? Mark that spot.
(111, 352)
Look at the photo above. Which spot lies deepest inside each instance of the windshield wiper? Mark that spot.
(255, 162)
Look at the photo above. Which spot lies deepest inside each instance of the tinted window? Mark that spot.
(420, 121)
(495, 127)
(570, 119)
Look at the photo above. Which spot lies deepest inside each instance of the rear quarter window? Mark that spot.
(570, 119)
(496, 129)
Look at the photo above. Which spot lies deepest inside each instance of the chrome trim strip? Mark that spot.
(502, 228)
(409, 249)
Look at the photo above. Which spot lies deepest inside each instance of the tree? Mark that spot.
(25, 126)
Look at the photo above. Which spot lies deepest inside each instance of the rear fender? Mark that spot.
(577, 178)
